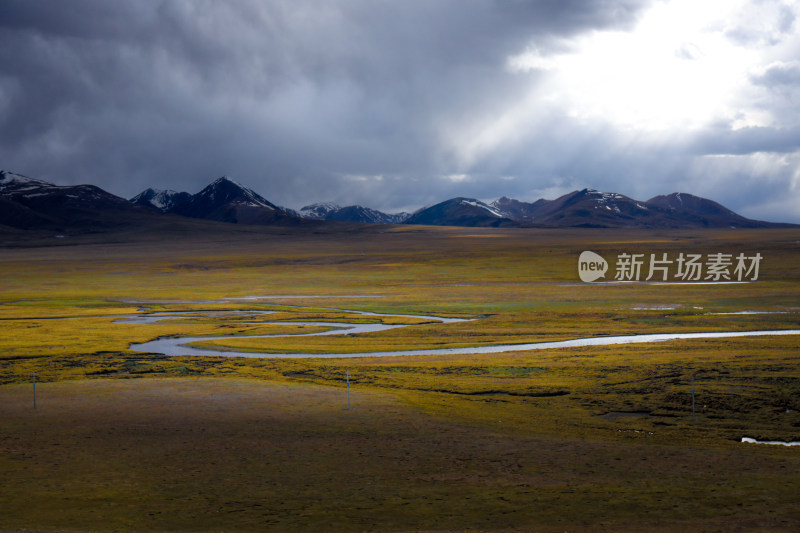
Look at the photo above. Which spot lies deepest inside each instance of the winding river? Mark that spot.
(175, 346)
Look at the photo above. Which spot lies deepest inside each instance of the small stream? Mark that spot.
(773, 442)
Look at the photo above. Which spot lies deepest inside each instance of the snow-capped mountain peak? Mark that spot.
(225, 179)
(226, 200)
(226, 190)
(163, 200)
(30, 203)
(319, 211)
(350, 213)
(460, 212)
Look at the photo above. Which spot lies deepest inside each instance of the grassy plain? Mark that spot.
(592, 438)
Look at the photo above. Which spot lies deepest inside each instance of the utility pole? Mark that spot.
(693, 413)
(348, 390)
(34, 390)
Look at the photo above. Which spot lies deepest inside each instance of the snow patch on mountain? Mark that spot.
(18, 182)
(481, 205)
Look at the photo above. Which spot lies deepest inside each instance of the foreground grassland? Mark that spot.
(591, 438)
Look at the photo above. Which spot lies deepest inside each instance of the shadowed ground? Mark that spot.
(229, 454)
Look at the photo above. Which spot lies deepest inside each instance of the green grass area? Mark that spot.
(591, 438)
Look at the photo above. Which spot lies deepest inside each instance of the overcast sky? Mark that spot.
(399, 104)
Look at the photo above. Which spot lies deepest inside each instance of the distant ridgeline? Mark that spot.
(28, 203)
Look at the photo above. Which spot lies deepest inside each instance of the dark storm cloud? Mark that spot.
(304, 101)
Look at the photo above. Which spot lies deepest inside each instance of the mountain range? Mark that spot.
(28, 203)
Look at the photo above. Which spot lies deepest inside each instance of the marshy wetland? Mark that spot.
(577, 438)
